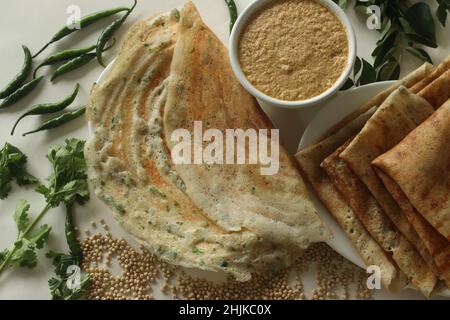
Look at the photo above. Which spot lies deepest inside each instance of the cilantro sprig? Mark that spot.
(12, 166)
(29, 239)
(67, 184)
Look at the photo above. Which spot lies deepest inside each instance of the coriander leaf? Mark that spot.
(60, 291)
(3, 255)
(68, 181)
(21, 215)
(24, 179)
(26, 257)
(62, 261)
(12, 165)
(39, 236)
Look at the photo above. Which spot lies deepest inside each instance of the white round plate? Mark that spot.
(334, 111)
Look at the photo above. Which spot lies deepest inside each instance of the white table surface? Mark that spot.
(33, 23)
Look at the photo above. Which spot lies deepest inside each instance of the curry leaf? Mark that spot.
(348, 84)
(368, 74)
(390, 70)
(419, 53)
(421, 21)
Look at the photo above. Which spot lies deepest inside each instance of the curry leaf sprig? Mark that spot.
(405, 29)
(67, 184)
(12, 166)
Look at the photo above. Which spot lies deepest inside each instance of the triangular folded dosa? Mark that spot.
(419, 166)
(310, 160)
(203, 88)
(395, 118)
(377, 223)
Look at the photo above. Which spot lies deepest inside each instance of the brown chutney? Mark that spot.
(293, 50)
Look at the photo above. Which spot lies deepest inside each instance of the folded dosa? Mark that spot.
(436, 73)
(436, 243)
(309, 160)
(377, 223)
(395, 118)
(419, 166)
(130, 167)
(203, 88)
(423, 75)
(438, 91)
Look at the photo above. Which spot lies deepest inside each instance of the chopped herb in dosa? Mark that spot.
(378, 223)
(369, 250)
(131, 169)
(395, 118)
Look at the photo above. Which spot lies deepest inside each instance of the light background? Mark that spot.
(33, 23)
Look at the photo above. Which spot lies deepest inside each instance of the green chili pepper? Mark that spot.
(73, 65)
(59, 120)
(20, 77)
(64, 56)
(47, 108)
(77, 62)
(108, 32)
(71, 237)
(83, 23)
(233, 12)
(20, 93)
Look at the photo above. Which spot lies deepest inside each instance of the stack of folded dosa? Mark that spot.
(171, 71)
(375, 172)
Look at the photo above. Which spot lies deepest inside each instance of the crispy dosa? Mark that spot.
(309, 160)
(130, 167)
(395, 118)
(203, 87)
(436, 243)
(438, 91)
(377, 223)
(436, 73)
(420, 75)
(420, 166)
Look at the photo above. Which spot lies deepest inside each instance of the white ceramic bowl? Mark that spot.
(233, 50)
